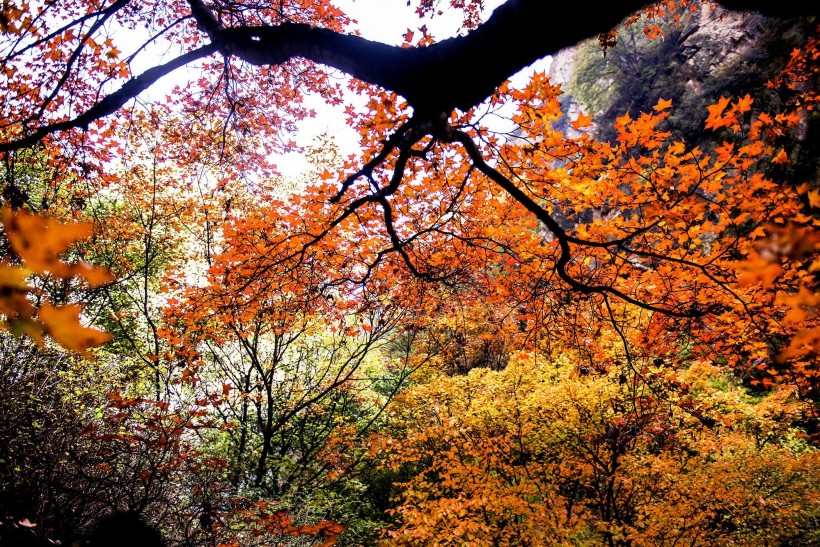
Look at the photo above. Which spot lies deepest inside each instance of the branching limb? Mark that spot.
(111, 103)
(564, 240)
(455, 73)
(367, 169)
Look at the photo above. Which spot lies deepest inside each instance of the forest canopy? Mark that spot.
(503, 321)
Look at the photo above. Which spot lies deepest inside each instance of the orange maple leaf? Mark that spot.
(714, 120)
(744, 104)
(623, 120)
(781, 157)
(583, 120)
(39, 241)
(663, 104)
(63, 324)
(814, 198)
(805, 342)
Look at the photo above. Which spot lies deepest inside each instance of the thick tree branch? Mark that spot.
(205, 20)
(455, 73)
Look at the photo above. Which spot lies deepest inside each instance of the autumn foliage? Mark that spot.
(462, 335)
(37, 242)
(626, 460)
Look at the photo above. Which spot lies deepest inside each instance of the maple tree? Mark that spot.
(79, 59)
(619, 464)
(262, 331)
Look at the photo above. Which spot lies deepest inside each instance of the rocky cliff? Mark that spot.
(709, 53)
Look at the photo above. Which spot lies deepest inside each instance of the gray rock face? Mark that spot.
(563, 65)
(721, 39)
(561, 71)
(712, 53)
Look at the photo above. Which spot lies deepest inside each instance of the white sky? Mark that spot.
(387, 20)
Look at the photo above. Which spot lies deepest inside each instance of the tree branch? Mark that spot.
(111, 103)
(561, 236)
(454, 73)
